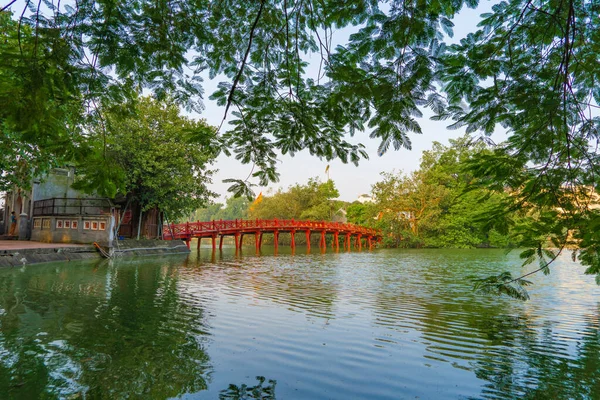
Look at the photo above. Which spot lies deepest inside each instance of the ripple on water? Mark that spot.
(370, 325)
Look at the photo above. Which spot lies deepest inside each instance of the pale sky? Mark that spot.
(350, 180)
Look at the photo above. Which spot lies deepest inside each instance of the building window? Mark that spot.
(87, 225)
(74, 224)
(37, 223)
(59, 224)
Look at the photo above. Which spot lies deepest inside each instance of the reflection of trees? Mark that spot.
(493, 337)
(243, 392)
(537, 365)
(113, 332)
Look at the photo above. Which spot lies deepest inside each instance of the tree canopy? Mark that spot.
(530, 66)
(438, 205)
(314, 200)
(150, 156)
(235, 208)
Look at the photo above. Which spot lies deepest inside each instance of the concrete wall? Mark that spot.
(61, 229)
(57, 184)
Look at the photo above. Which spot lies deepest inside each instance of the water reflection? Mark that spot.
(283, 280)
(245, 392)
(370, 325)
(544, 363)
(101, 331)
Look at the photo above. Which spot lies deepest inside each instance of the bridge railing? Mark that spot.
(226, 226)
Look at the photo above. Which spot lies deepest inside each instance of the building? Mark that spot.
(52, 211)
(365, 198)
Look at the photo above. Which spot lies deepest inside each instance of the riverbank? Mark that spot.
(24, 252)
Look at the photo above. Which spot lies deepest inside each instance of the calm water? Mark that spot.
(386, 324)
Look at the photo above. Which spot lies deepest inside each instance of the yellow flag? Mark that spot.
(256, 201)
(327, 169)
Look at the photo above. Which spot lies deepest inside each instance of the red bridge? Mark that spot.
(240, 227)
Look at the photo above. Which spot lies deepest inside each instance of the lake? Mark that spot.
(386, 324)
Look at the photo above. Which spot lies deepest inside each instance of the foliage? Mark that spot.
(363, 214)
(39, 115)
(235, 208)
(151, 158)
(504, 284)
(314, 200)
(207, 213)
(409, 200)
(436, 206)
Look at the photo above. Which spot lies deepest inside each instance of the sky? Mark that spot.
(350, 180)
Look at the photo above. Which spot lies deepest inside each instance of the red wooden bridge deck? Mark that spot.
(240, 227)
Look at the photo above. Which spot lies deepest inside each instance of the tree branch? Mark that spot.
(239, 74)
(8, 5)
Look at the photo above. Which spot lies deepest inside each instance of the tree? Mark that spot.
(407, 203)
(464, 213)
(437, 205)
(208, 212)
(39, 114)
(361, 213)
(531, 67)
(235, 208)
(151, 155)
(314, 200)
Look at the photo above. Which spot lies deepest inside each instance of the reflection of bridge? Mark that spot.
(240, 227)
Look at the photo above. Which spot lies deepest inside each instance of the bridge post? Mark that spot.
(221, 242)
(241, 239)
(276, 238)
(370, 242)
(359, 241)
(293, 238)
(237, 240)
(323, 242)
(336, 240)
(257, 243)
(214, 241)
(348, 240)
(198, 246)
(307, 232)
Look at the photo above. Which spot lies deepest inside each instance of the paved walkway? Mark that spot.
(28, 244)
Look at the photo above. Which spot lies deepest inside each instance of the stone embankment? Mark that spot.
(24, 256)
(128, 248)
(16, 253)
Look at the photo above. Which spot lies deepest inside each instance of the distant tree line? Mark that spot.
(438, 205)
